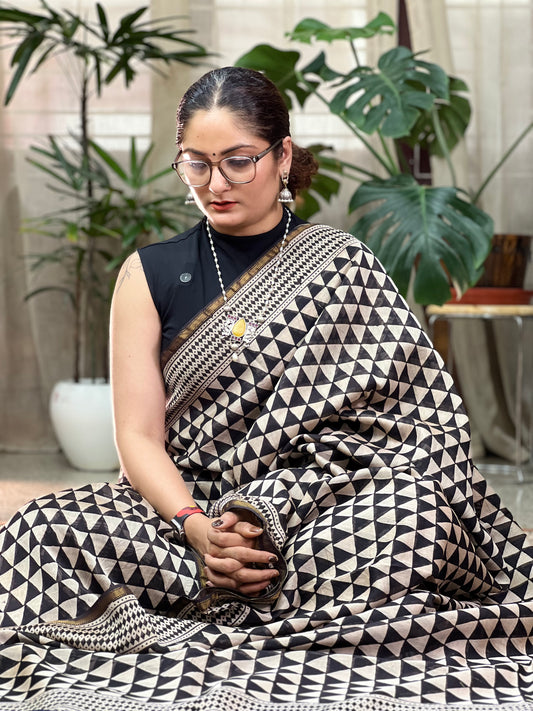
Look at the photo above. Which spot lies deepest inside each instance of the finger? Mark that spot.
(244, 556)
(227, 520)
(247, 529)
(219, 581)
(228, 583)
(241, 574)
(222, 539)
(254, 589)
(241, 578)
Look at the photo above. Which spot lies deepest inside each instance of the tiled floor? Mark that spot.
(25, 476)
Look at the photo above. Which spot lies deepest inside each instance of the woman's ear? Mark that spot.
(286, 158)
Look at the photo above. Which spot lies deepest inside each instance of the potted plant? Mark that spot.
(107, 209)
(436, 238)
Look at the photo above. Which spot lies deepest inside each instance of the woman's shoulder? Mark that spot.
(175, 243)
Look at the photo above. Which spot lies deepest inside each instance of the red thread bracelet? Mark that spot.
(188, 511)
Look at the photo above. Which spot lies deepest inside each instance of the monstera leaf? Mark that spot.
(280, 67)
(392, 96)
(311, 29)
(432, 229)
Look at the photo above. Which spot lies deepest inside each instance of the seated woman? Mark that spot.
(298, 524)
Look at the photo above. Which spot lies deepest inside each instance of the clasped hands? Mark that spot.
(227, 546)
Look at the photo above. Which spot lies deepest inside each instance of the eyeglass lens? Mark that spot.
(236, 169)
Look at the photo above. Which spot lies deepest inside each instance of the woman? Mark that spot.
(297, 488)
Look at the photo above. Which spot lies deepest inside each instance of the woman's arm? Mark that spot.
(139, 394)
(139, 413)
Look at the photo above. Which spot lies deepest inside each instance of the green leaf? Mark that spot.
(126, 23)
(310, 29)
(109, 160)
(103, 21)
(391, 97)
(72, 233)
(45, 289)
(306, 30)
(21, 58)
(18, 16)
(319, 67)
(432, 230)
(279, 66)
(134, 168)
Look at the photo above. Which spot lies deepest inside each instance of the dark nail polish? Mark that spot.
(217, 523)
(273, 559)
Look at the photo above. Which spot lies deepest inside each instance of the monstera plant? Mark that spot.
(435, 236)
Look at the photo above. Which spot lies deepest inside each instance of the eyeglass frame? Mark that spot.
(255, 159)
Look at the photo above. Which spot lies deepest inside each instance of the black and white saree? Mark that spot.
(404, 583)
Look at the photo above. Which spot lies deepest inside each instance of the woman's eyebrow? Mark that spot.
(225, 152)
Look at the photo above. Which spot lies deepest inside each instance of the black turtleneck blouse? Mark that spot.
(182, 276)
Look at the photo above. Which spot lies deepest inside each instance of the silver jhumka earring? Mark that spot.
(189, 199)
(285, 194)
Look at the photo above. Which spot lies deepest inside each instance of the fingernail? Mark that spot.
(273, 559)
(209, 584)
(217, 523)
(256, 529)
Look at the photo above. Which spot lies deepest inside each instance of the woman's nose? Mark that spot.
(218, 182)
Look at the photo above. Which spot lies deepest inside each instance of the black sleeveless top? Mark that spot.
(182, 276)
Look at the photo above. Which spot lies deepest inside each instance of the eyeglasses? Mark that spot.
(235, 169)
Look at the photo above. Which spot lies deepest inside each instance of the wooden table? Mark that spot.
(518, 313)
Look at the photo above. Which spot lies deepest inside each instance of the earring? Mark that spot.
(285, 194)
(189, 199)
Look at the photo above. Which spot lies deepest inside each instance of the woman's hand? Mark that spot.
(227, 546)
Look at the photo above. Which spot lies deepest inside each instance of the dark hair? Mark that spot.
(258, 104)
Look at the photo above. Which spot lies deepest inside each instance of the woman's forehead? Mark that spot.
(218, 131)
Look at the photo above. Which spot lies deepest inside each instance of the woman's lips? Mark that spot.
(222, 205)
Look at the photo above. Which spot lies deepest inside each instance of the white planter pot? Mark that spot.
(82, 418)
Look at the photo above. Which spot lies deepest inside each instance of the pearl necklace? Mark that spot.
(238, 329)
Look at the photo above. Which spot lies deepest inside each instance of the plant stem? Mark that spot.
(394, 166)
(354, 52)
(502, 160)
(77, 326)
(357, 169)
(89, 291)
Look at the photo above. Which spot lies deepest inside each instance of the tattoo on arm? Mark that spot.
(132, 263)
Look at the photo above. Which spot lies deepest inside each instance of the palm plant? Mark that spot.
(109, 210)
(93, 236)
(438, 234)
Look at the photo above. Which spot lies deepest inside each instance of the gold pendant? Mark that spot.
(239, 330)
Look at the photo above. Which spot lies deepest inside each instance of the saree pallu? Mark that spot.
(404, 583)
